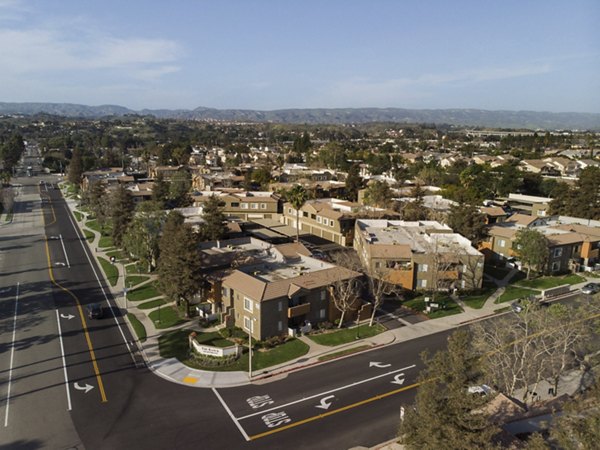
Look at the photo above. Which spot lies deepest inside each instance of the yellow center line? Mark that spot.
(335, 411)
(81, 316)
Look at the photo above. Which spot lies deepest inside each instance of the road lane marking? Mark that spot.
(64, 361)
(324, 404)
(237, 423)
(64, 250)
(83, 325)
(335, 411)
(12, 356)
(258, 401)
(85, 251)
(87, 387)
(321, 394)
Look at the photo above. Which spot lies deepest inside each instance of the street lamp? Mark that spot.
(252, 320)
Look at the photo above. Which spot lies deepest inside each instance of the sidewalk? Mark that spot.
(173, 370)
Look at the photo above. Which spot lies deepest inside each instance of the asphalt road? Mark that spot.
(74, 383)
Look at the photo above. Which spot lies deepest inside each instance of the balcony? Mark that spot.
(295, 311)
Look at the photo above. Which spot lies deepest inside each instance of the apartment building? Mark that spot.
(269, 290)
(243, 205)
(420, 255)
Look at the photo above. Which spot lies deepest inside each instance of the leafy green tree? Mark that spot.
(213, 227)
(179, 267)
(445, 415)
(75, 167)
(143, 234)
(297, 196)
(532, 249)
(11, 151)
(160, 190)
(378, 194)
(96, 200)
(415, 209)
(353, 183)
(179, 190)
(467, 221)
(121, 213)
(302, 144)
(262, 177)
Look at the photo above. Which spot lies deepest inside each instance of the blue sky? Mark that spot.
(269, 54)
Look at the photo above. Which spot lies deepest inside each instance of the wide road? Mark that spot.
(71, 382)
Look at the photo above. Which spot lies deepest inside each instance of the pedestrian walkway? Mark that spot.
(173, 370)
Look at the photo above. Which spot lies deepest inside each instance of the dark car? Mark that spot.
(95, 311)
(591, 288)
(517, 306)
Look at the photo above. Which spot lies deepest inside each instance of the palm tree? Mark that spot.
(297, 196)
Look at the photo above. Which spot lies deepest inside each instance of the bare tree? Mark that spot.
(344, 293)
(379, 288)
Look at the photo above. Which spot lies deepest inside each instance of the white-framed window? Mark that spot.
(331, 223)
(224, 291)
(244, 205)
(248, 304)
(279, 326)
(280, 306)
(501, 243)
(423, 267)
(323, 295)
(263, 206)
(290, 211)
(322, 313)
(555, 266)
(254, 205)
(318, 219)
(558, 252)
(423, 283)
(248, 324)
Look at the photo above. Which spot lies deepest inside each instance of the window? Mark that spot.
(289, 210)
(423, 283)
(248, 324)
(254, 205)
(322, 313)
(248, 304)
(501, 243)
(280, 306)
(331, 223)
(323, 295)
(304, 214)
(263, 206)
(423, 267)
(555, 266)
(235, 204)
(224, 292)
(244, 205)
(318, 219)
(313, 216)
(558, 252)
(377, 265)
(279, 326)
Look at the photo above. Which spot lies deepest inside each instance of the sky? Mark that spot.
(540, 55)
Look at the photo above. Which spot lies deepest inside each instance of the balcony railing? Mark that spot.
(294, 311)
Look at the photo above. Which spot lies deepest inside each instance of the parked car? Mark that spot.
(516, 306)
(95, 311)
(591, 288)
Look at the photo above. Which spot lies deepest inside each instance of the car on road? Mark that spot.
(591, 288)
(95, 311)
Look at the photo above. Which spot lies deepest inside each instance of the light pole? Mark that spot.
(250, 352)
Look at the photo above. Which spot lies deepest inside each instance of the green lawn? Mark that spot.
(348, 351)
(93, 225)
(515, 292)
(78, 215)
(134, 280)
(345, 335)
(175, 345)
(110, 270)
(89, 235)
(143, 293)
(138, 327)
(450, 307)
(550, 282)
(167, 315)
(105, 242)
(478, 300)
(214, 339)
(136, 267)
(152, 304)
(118, 254)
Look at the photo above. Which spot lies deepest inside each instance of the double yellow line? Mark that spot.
(79, 307)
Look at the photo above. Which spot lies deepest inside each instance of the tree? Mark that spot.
(262, 177)
(415, 209)
(179, 267)
(179, 189)
(297, 196)
(160, 190)
(379, 288)
(578, 427)
(121, 213)
(344, 294)
(212, 214)
(95, 199)
(378, 194)
(467, 221)
(531, 247)
(353, 183)
(11, 151)
(75, 167)
(445, 415)
(143, 233)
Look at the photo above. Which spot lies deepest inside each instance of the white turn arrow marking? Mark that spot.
(379, 365)
(324, 403)
(87, 388)
(399, 379)
(67, 316)
(60, 264)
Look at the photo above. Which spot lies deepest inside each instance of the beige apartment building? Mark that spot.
(244, 205)
(421, 255)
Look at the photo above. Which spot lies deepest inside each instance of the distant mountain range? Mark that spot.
(465, 117)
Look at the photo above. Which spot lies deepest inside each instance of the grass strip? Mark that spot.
(138, 327)
(110, 270)
(152, 304)
(345, 335)
(346, 352)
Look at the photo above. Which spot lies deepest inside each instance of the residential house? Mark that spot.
(420, 255)
(529, 204)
